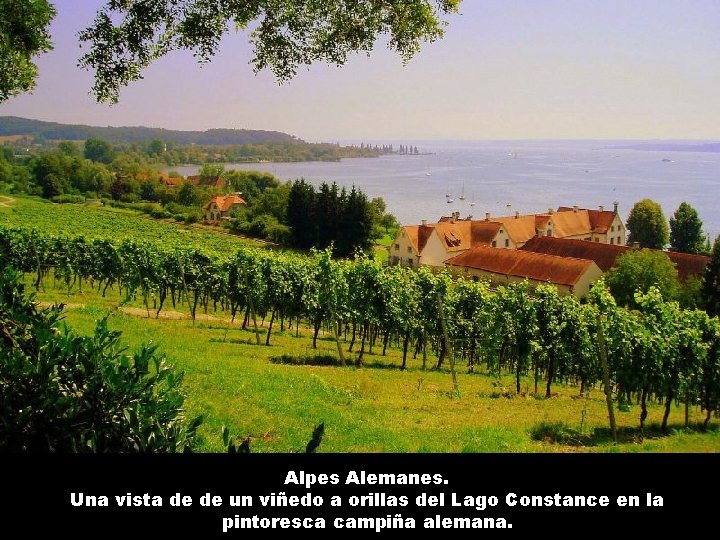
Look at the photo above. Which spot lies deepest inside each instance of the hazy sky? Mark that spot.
(505, 69)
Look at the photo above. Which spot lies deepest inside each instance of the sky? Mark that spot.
(506, 69)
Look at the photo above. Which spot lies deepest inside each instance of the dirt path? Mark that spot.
(5, 201)
(171, 315)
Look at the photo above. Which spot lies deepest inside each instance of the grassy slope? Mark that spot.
(375, 408)
(115, 223)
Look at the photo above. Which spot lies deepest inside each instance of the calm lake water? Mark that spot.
(502, 177)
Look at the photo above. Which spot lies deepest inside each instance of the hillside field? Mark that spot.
(376, 408)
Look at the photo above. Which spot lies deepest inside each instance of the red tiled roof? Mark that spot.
(605, 255)
(688, 265)
(524, 264)
(571, 223)
(520, 229)
(212, 181)
(600, 221)
(224, 203)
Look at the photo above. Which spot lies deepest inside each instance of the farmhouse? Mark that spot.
(220, 206)
(433, 244)
(605, 255)
(504, 266)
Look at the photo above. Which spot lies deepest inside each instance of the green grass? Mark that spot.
(93, 221)
(277, 394)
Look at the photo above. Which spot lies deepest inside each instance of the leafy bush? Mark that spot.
(61, 392)
(68, 199)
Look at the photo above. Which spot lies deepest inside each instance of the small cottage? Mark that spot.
(220, 206)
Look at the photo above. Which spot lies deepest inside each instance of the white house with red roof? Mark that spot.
(220, 206)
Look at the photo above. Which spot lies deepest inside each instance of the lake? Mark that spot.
(502, 177)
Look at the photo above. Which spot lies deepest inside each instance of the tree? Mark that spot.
(156, 147)
(686, 233)
(99, 150)
(23, 35)
(187, 194)
(637, 271)
(711, 282)
(126, 37)
(300, 214)
(647, 225)
(211, 170)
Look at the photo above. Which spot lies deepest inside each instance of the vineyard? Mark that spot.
(104, 222)
(659, 355)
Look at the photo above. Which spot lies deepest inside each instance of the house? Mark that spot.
(432, 244)
(171, 181)
(208, 181)
(605, 255)
(505, 266)
(221, 206)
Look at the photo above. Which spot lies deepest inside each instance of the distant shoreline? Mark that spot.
(668, 147)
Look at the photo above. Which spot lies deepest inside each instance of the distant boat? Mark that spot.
(427, 174)
(666, 160)
(450, 200)
(462, 195)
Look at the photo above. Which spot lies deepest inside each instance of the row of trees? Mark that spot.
(332, 217)
(649, 228)
(656, 352)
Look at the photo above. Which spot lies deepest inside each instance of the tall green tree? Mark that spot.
(300, 214)
(24, 34)
(99, 150)
(686, 233)
(711, 282)
(637, 271)
(647, 225)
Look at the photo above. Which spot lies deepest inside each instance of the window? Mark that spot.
(409, 249)
(410, 262)
(548, 233)
(597, 239)
(507, 242)
(397, 247)
(612, 240)
(588, 238)
(618, 240)
(494, 243)
(612, 228)
(395, 260)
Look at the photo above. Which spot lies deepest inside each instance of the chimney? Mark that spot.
(517, 214)
(424, 222)
(576, 208)
(551, 211)
(452, 218)
(616, 206)
(602, 208)
(457, 215)
(487, 216)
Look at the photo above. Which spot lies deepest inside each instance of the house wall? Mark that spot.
(402, 251)
(617, 230)
(434, 254)
(503, 240)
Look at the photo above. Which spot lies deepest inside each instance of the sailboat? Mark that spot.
(472, 203)
(462, 194)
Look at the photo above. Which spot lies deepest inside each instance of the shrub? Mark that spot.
(61, 392)
(68, 199)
